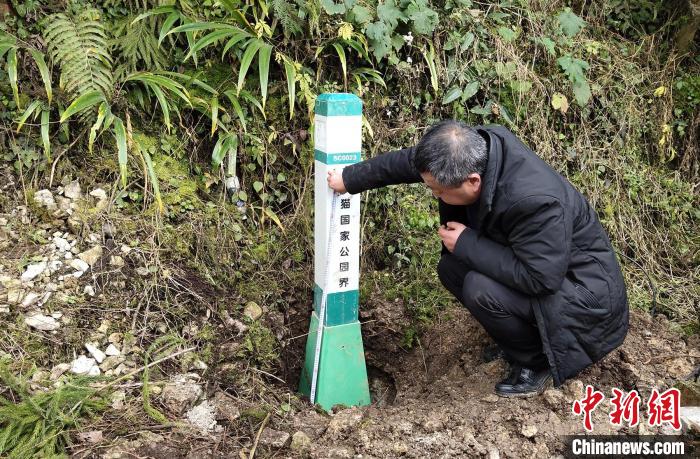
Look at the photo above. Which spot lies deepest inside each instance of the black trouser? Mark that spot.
(505, 313)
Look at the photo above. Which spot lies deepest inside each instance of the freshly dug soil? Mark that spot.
(444, 405)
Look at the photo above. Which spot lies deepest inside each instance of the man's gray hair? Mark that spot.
(450, 151)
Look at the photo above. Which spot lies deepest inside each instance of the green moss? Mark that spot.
(260, 346)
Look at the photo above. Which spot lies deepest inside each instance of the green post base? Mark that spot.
(342, 374)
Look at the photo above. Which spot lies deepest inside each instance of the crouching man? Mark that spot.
(522, 249)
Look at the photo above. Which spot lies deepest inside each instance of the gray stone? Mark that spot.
(33, 271)
(84, 366)
(690, 417)
(554, 397)
(45, 199)
(79, 265)
(95, 352)
(274, 438)
(58, 370)
(30, 299)
(180, 394)
(226, 409)
(15, 292)
(41, 322)
(253, 310)
(528, 430)
(99, 193)
(91, 256)
(112, 362)
(65, 205)
(116, 261)
(344, 420)
(202, 417)
(53, 266)
(300, 441)
(112, 350)
(72, 190)
(61, 244)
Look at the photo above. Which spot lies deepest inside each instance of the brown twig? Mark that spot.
(257, 437)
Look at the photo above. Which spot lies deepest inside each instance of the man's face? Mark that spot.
(465, 194)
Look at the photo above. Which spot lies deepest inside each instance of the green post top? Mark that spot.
(338, 104)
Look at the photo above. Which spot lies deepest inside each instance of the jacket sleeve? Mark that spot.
(386, 169)
(537, 257)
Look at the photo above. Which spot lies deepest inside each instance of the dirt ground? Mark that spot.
(437, 400)
(445, 406)
(434, 399)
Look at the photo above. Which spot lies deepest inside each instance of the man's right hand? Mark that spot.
(335, 181)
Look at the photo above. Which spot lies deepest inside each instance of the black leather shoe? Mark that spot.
(512, 378)
(491, 353)
(528, 384)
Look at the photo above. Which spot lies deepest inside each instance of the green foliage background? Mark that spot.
(167, 100)
(194, 93)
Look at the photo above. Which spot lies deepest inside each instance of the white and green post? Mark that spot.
(334, 370)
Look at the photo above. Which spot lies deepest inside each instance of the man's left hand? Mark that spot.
(449, 234)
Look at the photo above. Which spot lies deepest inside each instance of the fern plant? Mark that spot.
(78, 44)
(9, 46)
(38, 424)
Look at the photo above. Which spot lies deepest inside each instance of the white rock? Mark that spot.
(95, 352)
(79, 265)
(45, 199)
(91, 256)
(116, 261)
(45, 297)
(30, 299)
(690, 417)
(68, 256)
(84, 366)
(56, 315)
(61, 244)
(65, 204)
(4, 308)
(54, 266)
(41, 322)
(202, 416)
(118, 399)
(529, 430)
(72, 190)
(112, 350)
(51, 287)
(33, 271)
(58, 370)
(89, 290)
(99, 193)
(78, 274)
(125, 249)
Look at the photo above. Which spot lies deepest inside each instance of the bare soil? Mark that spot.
(437, 400)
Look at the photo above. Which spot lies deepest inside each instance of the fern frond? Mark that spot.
(138, 45)
(288, 15)
(79, 46)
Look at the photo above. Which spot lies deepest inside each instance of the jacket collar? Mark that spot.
(493, 169)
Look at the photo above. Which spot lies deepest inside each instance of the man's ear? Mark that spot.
(474, 180)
